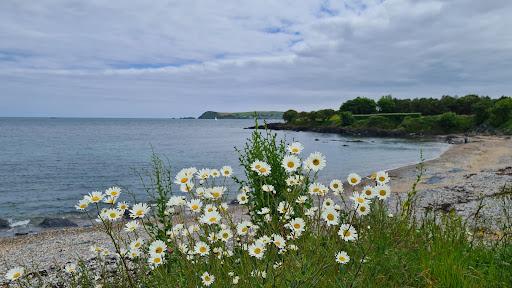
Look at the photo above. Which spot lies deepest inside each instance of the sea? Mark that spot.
(47, 164)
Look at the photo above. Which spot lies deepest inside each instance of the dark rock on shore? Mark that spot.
(4, 224)
(57, 223)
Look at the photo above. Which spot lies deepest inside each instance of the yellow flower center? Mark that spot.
(95, 198)
(257, 250)
(382, 178)
(353, 180)
(202, 249)
(159, 250)
(83, 206)
(263, 170)
(368, 192)
(184, 180)
(258, 166)
(216, 194)
(113, 215)
(296, 226)
(341, 258)
(225, 235)
(330, 217)
(382, 192)
(207, 278)
(213, 219)
(360, 200)
(277, 243)
(316, 162)
(290, 164)
(362, 208)
(244, 229)
(16, 275)
(346, 233)
(157, 260)
(113, 193)
(195, 206)
(139, 213)
(335, 185)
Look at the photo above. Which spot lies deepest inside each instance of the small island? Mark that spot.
(242, 115)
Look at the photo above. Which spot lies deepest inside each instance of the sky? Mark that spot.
(121, 58)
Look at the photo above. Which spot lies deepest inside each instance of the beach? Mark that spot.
(461, 178)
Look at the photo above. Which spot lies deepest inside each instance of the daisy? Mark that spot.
(257, 249)
(363, 209)
(260, 167)
(123, 206)
(295, 148)
(330, 215)
(184, 176)
(245, 189)
(216, 192)
(336, 186)
(317, 189)
(315, 162)
(113, 191)
(368, 192)
(242, 198)
(109, 200)
(15, 273)
(342, 257)
(285, 208)
(226, 171)
(155, 260)
(359, 199)
(70, 268)
(353, 179)
(176, 201)
(263, 211)
(382, 191)
(136, 244)
(82, 204)
(131, 226)
(347, 232)
(301, 199)
(203, 174)
(94, 197)
(290, 163)
(297, 225)
(328, 203)
(214, 173)
(195, 205)
(139, 210)
(382, 177)
(207, 279)
(158, 247)
(112, 214)
(279, 241)
(225, 235)
(188, 187)
(268, 188)
(211, 218)
(132, 254)
(202, 248)
(242, 228)
(209, 208)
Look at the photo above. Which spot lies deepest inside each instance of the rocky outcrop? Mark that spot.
(56, 223)
(4, 224)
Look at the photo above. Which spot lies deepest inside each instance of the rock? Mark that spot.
(4, 224)
(57, 223)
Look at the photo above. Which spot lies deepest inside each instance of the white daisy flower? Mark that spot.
(139, 210)
(315, 162)
(382, 177)
(382, 191)
(363, 209)
(157, 247)
(290, 163)
(317, 189)
(195, 205)
(263, 211)
(131, 226)
(342, 257)
(202, 248)
(210, 208)
(347, 232)
(242, 198)
(336, 186)
(70, 268)
(216, 192)
(260, 167)
(82, 204)
(330, 215)
(353, 179)
(207, 279)
(112, 214)
(187, 187)
(136, 244)
(295, 148)
(14, 273)
(242, 228)
(94, 197)
(268, 188)
(132, 254)
(245, 189)
(211, 218)
(328, 203)
(225, 234)
(155, 260)
(226, 171)
(368, 192)
(359, 199)
(122, 206)
(203, 174)
(297, 225)
(214, 173)
(257, 249)
(185, 176)
(176, 201)
(113, 191)
(285, 208)
(301, 199)
(279, 241)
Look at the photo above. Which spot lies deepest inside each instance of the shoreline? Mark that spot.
(457, 180)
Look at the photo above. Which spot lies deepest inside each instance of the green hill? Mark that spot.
(242, 115)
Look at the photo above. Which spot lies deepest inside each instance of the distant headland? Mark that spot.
(242, 115)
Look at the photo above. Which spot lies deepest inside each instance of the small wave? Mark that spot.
(19, 223)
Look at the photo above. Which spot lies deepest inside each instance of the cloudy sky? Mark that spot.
(108, 58)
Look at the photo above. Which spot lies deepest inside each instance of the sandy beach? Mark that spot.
(461, 178)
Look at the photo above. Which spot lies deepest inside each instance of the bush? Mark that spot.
(347, 118)
(290, 116)
(380, 122)
(359, 105)
(501, 112)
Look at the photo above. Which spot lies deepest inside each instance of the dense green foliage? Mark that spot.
(242, 115)
(447, 114)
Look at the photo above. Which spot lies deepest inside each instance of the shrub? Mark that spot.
(501, 112)
(347, 118)
(359, 105)
(380, 122)
(290, 116)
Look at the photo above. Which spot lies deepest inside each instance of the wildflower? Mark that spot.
(290, 163)
(70, 268)
(242, 198)
(155, 260)
(95, 249)
(263, 211)
(279, 241)
(207, 279)
(195, 205)
(187, 187)
(301, 200)
(330, 215)
(113, 214)
(203, 174)
(136, 244)
(347, 232)
(214, 173)
(225, 235)
(277, 265)
(14, 273)
(328, 203)
(209, 208)
(202, 248)
(82, 204)
(295, 148)
(368, 192)
(242, 228)
(363, 209)
(297, 225)
(236, 279)
(342, 257)
(382, 177)
(185, 175)
(226, 171)
(311, 211)
(216, 192)
(260, 167)
(122, 206)
(359, 199)
(158, 247)
(132, 254)
(245, 189)
(94, 197)
(113, 192)
(353, 179)
(109, 200)
(176, 201)
(268, 188)
(382, 191)
(257, 249)
(294, 180)
(336, 186)
(211, 218)
(315, 162)
(139, 210)
(317, 189)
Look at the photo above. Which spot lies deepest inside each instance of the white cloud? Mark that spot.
(162, 58)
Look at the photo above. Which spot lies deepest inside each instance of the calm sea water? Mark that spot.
(46, 164)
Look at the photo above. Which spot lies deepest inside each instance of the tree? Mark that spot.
(346, 118)
(290, 116)
(386, 104)
(501, 112)
(359, 105)
(481, 110)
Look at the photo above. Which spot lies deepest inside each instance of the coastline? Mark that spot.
(457, 180)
